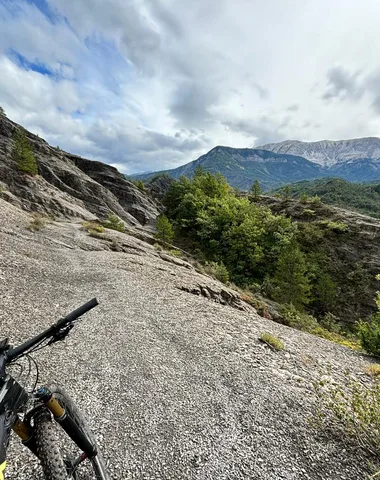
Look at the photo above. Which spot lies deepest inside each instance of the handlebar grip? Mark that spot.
(78, 312)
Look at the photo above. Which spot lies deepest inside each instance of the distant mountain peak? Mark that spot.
(329, 152)
(275, 164)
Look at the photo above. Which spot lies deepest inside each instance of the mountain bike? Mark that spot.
(42, 416)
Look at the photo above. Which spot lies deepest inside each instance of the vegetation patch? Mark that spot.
(92, 227)
(113, 222)
(175, 253)
(369, 332)
(38, 223)
(272, 341)
(164, 229)
(334, 226)
(139, 184)
(350, 411)
(23, 153)
(373, 370)
(217, 270)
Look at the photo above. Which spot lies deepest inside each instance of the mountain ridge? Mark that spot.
(329, 152)
(355, 160)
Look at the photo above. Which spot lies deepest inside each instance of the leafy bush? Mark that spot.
(217, 270)
(23, 153)
(329, 322)
(307, 323)
(175, 253)
(350, 411)
(307, 212)
(335, 226)
(316, 200)
(369, 335)
(369, 332)
(165, 231)
(139, 184)
(114, 223)
(296, 319)
(273, 341)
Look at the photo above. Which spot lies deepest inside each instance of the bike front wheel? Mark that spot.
(59, 456)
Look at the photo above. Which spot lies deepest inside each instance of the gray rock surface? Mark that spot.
(70, 186)
(176, 385)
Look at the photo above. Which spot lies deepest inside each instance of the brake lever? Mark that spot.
(60, 335)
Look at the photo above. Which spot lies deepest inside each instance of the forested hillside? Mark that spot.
(362, 197)
(316, 258)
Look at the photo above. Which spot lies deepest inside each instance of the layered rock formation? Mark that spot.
(68, 185)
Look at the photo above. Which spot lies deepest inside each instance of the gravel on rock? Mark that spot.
(175, 385)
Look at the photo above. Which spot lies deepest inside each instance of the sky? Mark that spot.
(147, 85)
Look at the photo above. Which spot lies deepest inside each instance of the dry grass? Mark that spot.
(91, 227)
(373, 370)
(38, 223)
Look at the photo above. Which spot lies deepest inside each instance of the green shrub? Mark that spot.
(114, 223)
(175, 253)
(273, 341)
(329, 322)
(369, 332)
(350, 411)
(369, 335)
(334, 226)
(217, 270)
(139, 184)
(301, 321)
(307, 323)
(23, 153)
(316, 200)
(307, 212)
(165, 231)
(304, 198)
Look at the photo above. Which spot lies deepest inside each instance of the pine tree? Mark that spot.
(290, 280)
(165, 230)
(256, 190)
(286, 193)
(2, 113)
(23, 153)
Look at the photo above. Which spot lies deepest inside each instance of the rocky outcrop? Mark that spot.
(136, 202)
(68, 185)
(159, 185)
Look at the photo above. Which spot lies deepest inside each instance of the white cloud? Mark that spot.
(151, 84)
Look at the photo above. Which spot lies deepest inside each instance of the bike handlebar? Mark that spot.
(48, 333)
(77, 313)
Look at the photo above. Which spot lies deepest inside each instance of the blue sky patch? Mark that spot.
(44, 8)
(27, 65)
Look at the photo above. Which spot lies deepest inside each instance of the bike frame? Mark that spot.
(13, 397)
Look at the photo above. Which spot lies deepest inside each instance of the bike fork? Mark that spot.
(67, 423)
